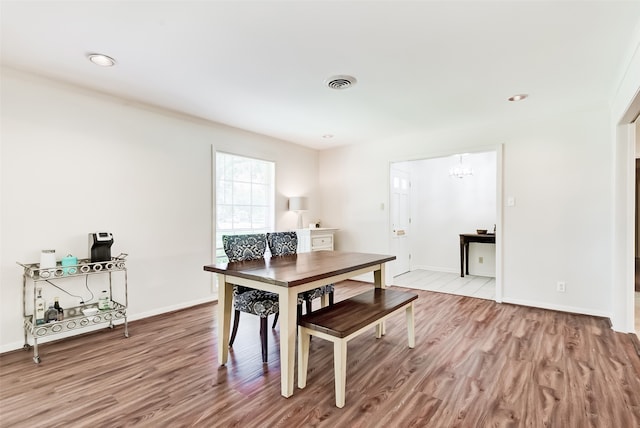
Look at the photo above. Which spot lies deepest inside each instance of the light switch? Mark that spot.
(511, 201)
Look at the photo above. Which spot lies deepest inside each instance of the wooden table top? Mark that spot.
(296, 269)
(481, 235)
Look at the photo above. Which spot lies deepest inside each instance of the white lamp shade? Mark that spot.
(298, 203)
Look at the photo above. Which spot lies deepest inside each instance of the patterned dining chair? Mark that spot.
(257, 302)
(283, 243)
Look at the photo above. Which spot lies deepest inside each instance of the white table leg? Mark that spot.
(303, 356)
(379, 282)
(225, 301)
(324, 300)
(287, 300)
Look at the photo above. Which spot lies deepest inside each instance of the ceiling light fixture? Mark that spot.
(327, 136)
(102, 60)
(340, 82)
(460, 170)
(518, 97)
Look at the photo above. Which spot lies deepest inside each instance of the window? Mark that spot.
(245, 194)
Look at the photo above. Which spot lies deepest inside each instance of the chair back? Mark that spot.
(239, 248)
(282, 243)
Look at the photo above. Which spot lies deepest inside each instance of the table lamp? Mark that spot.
(298, 204)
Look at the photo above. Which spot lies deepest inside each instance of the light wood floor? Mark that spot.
(482, 287)
(476, 364)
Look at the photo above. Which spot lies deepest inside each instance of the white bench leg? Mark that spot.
(411, 328)
(380, 329)
(340, 369)
(303, 356)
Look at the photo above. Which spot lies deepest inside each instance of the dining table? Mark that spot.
(287, 276)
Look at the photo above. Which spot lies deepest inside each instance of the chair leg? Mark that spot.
(263, 337)
(308, 305)
(236, 321)
(275, 320)
(331, 298)
(299, 311)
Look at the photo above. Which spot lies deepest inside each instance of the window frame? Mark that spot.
(227, 184)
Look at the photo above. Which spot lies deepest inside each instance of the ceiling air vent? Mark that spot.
(341, 82)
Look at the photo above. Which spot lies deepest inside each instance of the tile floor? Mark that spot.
(481, 287)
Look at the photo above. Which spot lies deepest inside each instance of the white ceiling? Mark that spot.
(261, 66)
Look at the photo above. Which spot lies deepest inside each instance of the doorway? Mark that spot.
(400, 218)
(447, 196)
(627, 149)
(637, 239)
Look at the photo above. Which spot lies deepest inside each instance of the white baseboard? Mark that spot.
(8, 347)
(172, 308)
(436, 268)
(488, 272)
(554, 307)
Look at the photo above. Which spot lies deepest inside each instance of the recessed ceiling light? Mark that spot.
(340, 82)
(327, 136)
(518, 97)
(102, 60)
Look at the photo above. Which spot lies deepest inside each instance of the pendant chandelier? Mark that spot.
(460, 170)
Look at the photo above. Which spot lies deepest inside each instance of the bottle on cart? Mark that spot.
(40, 308)
(103, 301)
(51, 315)
(56, 306)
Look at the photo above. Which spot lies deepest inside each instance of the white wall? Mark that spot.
(75, 161)
(444, 207)
(557, 168)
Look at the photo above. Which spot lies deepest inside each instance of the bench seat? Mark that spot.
(347, 319)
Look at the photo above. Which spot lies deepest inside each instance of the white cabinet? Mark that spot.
(320, 239)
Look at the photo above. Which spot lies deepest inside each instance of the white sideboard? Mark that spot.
(320, 239)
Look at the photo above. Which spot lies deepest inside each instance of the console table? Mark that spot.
(318, 239)
(465, 239)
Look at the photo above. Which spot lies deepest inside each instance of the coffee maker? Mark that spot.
(100, 246)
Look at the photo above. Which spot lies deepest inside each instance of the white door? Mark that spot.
(400, 220)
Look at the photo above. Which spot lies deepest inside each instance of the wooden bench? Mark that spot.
(345, 320)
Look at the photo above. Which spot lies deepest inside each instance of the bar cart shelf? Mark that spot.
(77, 317)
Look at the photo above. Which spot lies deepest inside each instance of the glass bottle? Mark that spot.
(56, 306)
(103, 301)
(51, 315)
(40, 308)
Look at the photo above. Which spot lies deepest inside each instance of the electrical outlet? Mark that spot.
(480, 260)
(561, 287)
